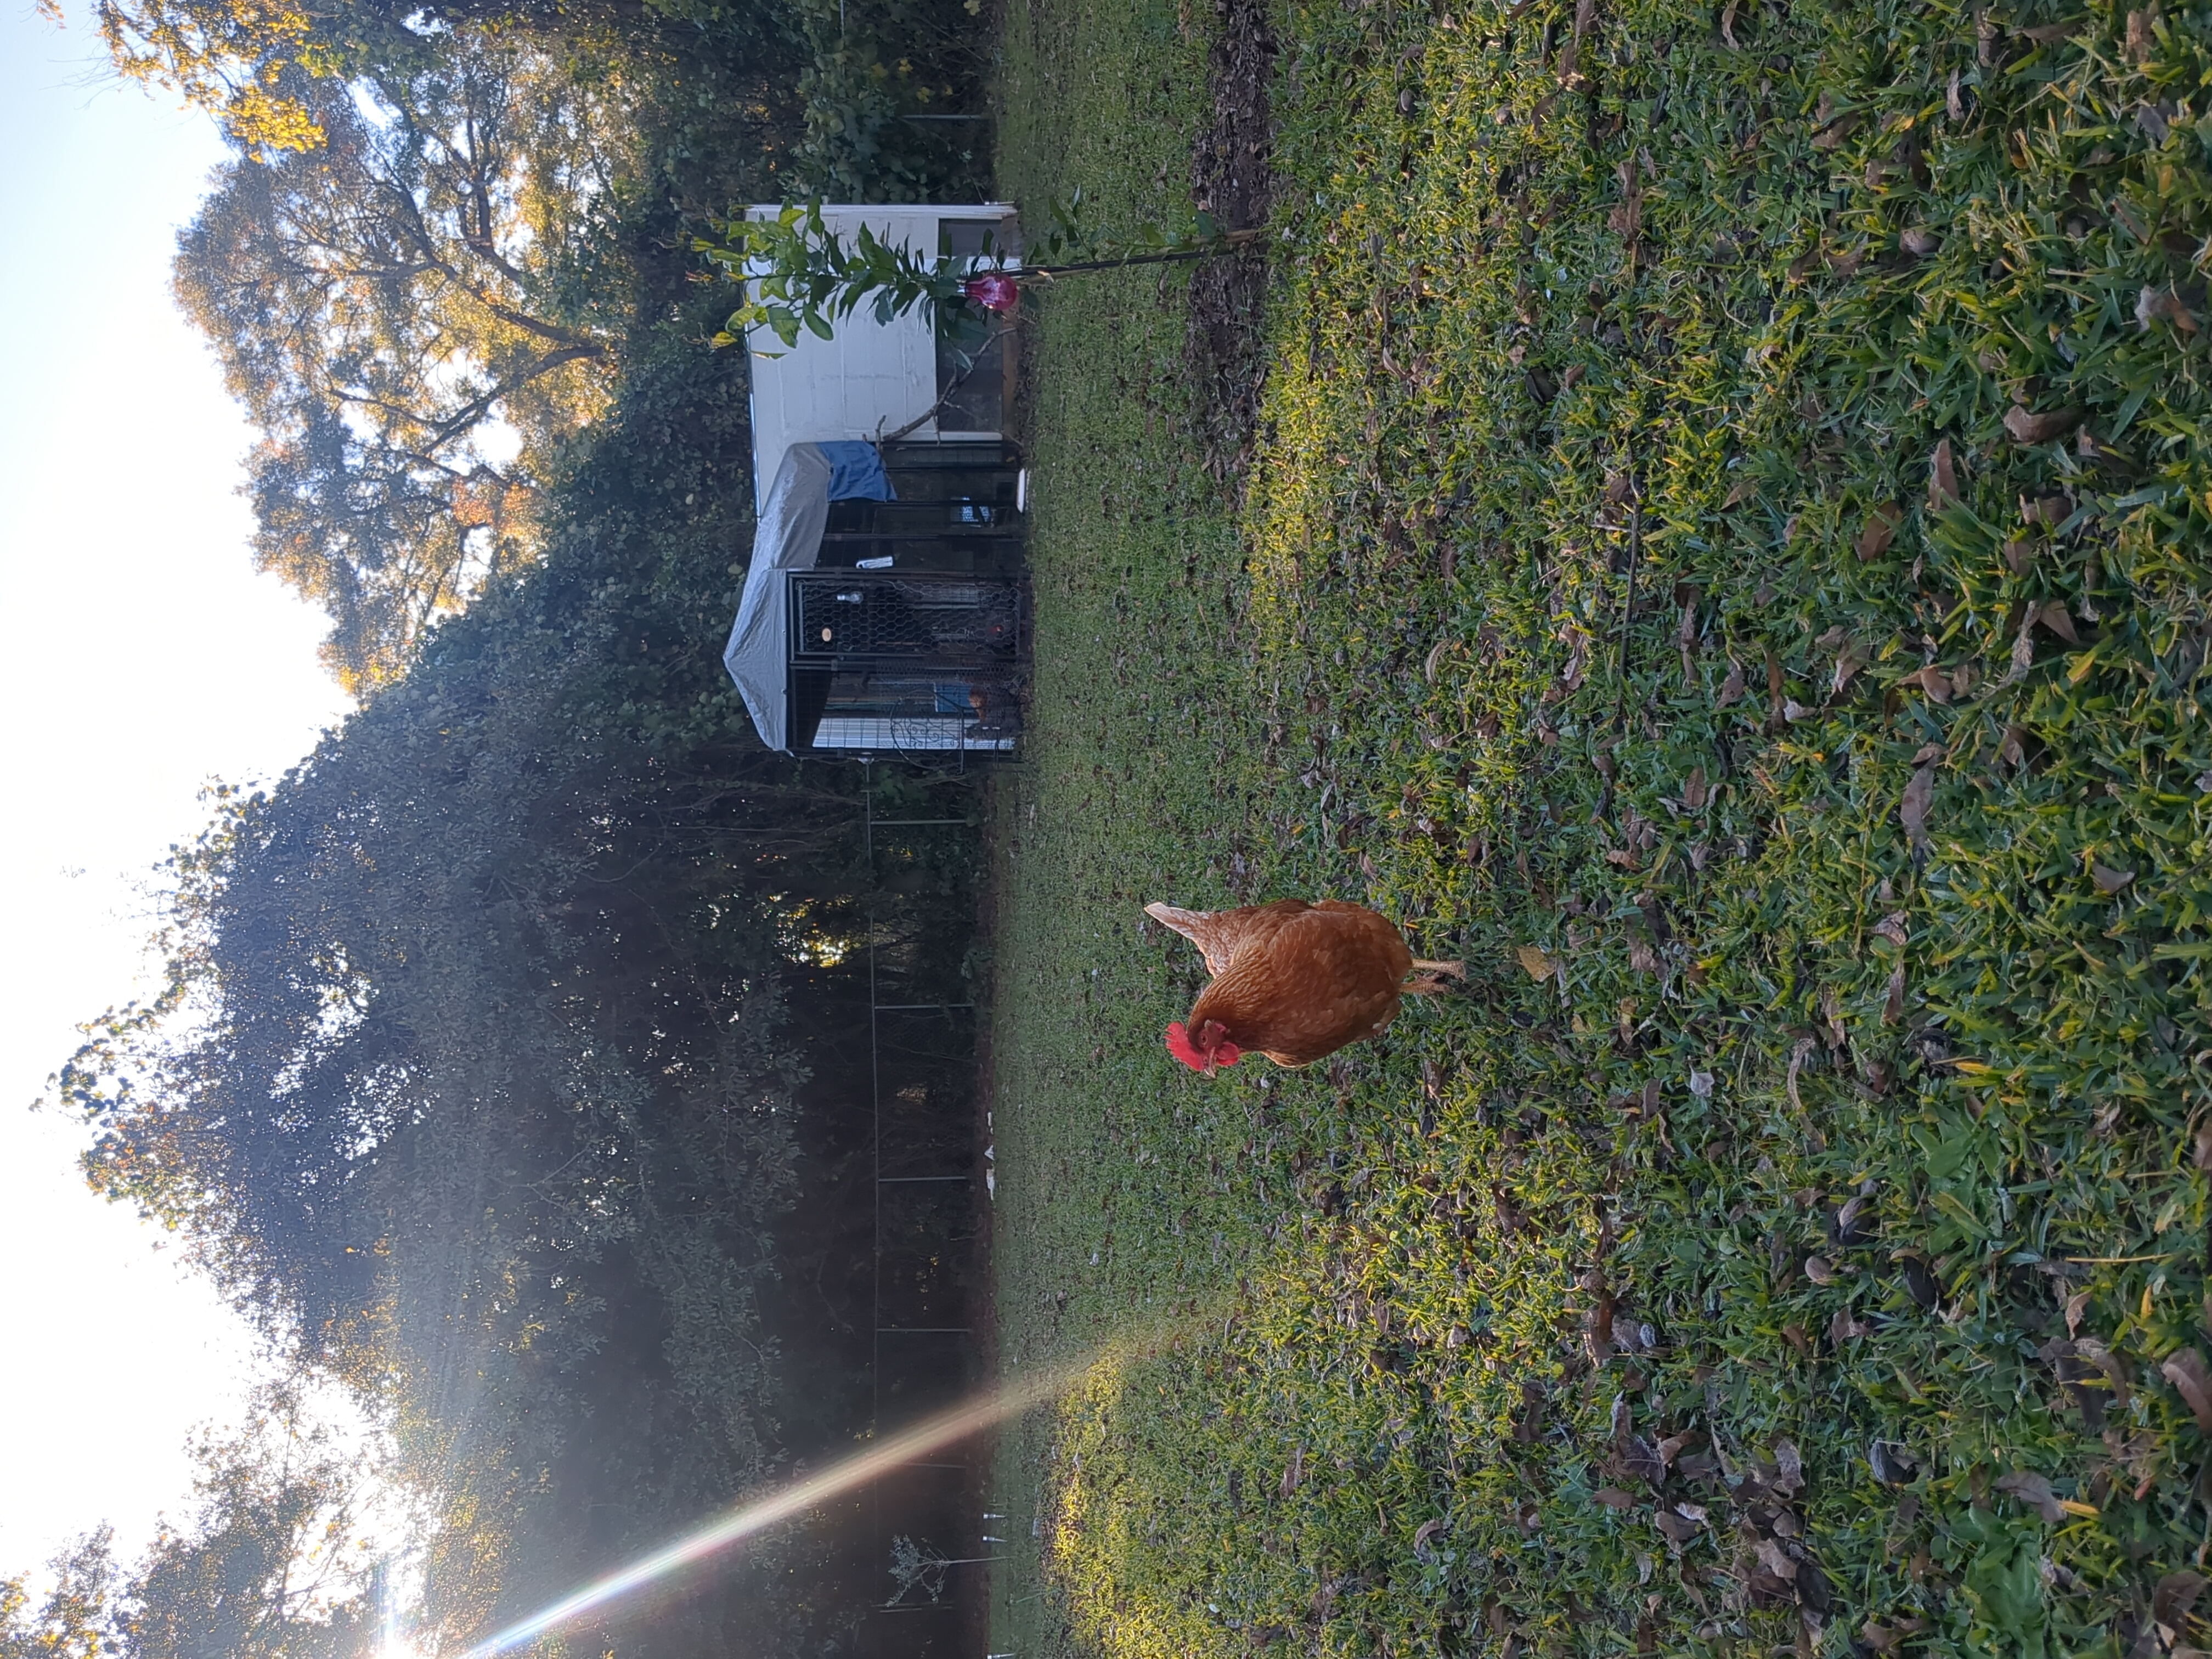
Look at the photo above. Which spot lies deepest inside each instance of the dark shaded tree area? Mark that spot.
(513, 1065)
(512, 1069)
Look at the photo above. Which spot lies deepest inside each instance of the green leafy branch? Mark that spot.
(798, 273)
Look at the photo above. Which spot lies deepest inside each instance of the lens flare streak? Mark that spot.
(932, 1434)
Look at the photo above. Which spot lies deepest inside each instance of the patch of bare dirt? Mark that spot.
(1232, 177)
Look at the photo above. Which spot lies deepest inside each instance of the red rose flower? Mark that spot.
(994, 290)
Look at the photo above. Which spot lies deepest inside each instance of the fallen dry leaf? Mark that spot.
(2028, 428)
(1931, 680)
(1848, 664)
(2013, 750)
(1892, 1003)
(1942, 479)
(1794, 1334)
(1293, 1472)
(1848, 1219)
(2175, 1595)
(2054, 615)
(1891, 928)
(1613, 1498)
(1732, 686)
(1836, 132)
(2019, 554)
(1820, 1270)
(1880, 528)
(2138, 45)
(1845, 1328)
(2034, 1490)
(1890, 1463)
(1678, 1529)
(1427, 1531)
(1920, 241)
(2109, 881)
(1742, 492)
(1798, 1052)
(1912, 810)
(2075, 1305)
(2153, 303)
(1789, 1464)
(2185, 1369)
(2114, 1368)
(1533, 958)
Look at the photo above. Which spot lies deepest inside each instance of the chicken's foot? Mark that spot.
(1433, 979)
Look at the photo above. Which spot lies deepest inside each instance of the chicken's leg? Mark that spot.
(1432, 978)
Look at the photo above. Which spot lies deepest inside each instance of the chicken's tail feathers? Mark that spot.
(1186, 922)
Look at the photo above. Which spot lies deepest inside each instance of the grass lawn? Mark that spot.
(1725, 552)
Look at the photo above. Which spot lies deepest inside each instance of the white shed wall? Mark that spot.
(871, 377)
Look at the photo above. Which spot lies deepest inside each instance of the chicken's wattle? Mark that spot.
(1223, 1052)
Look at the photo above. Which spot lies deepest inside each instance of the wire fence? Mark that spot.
(927, 1522)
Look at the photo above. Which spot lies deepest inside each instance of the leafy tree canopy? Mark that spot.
(270, 1564)
(407, 313)
(250, 63)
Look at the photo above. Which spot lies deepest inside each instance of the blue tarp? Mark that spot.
(856, 472)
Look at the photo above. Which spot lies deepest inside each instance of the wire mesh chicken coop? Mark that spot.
(885, 612)
(910, 635)
(892, 628)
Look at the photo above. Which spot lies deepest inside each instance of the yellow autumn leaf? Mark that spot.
(1539, 966)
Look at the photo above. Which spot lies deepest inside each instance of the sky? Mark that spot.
(140, 657)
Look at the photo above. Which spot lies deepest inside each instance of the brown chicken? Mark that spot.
(1294, 980)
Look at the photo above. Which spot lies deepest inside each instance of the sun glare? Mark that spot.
(982, 1412)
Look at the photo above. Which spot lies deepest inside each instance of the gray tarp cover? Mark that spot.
(789, 537)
